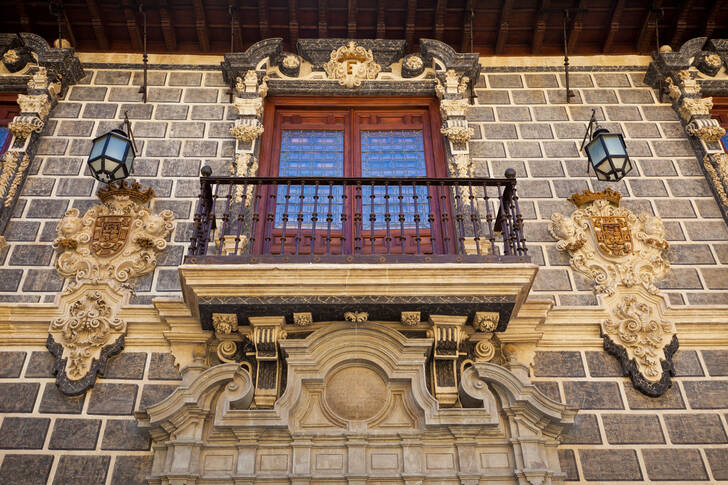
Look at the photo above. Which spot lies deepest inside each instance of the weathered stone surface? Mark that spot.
(718, 459)
(131, 470)
(695, 428)
(625, 429)
(528, 96)
(163, 148)
(550, 389)
(552, 280)
(207, 112)
(706, 394)
(112, 77)
(168, 280)
(123, 434)
(75, 434)
(686, 363)
(568, 464)
(716, 361)
(10, 279)
(487, 149)
(585, 431)
(154, 393)
(671, 399)
(679, 278)
(126, 365)
(23, 433)
(550, 113)
(185, 78)
(716, 279)
(513, 113)
(54, 401)
(46, 280)
(40, 364)
(601, 364)
(593, 395)
(26, 469)
(11, 363)
(674, 464)
(99, 110)
(558, 364)
(603, 465)
(112, 399)
(499, 131)
(162, 367)
(87, 93)
(31, 255)
(18, 397)
(611, 80)
(82, 470)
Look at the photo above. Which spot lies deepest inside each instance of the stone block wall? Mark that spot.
(520, 120)
(47, 437)
(622, 435)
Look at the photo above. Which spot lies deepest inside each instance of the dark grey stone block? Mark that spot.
(672, 148)
(131, 470)
(707, 230)
(577, 299)
(656, 168)
(183, 232)
(602, 364)
(558, 96)
(545, 168)
(222, 129)
(124, 434)
(145, 167)
(126, 365)
(708, 208)
(513, 113)
(35, 186)
(606, 465)
(149, 129)
(23, 433)
(647, 188)
(162, 366)
(18, 397)
(541, 81)
(674, 464)
(201, 95)
(11, 363)
(528, 96)
(188, 130)
(172, 256)
(552, 280)
(706, 394)
(492, 96)
(625, 429)
(112, 77)
(642, 130)
(523, 149)
(214, 79)
(100, 110)
(550, 113)
(116, 399)
(164, 95)
(31, 255)
(568, 130)
(584, 113)
(584, 432)
(171, 112)
(560, 149)
(568, 464)
(163, 148)
(636, 96)
(680, 278)
(26, 469)
(66, 110)
(137, 111)
(46, 208)
(499, 131)
(600, 96)
(52, 146)
(687, 364)
(660, 113)
(593, 395)
(185, 78)
(695, 428)
(154, 78)
(81, 146)
(75, 128)
(673, 130)
(125, 94)
(55, 402)
(558, 364)
(82, 470)
(565, 188)
(201, 148)
(87, 93)
(716, 362)
(577, 80)
(40, 364)
(687, 187)
(718, 459)
(155, 393)
(487, 149)
(74, 434)
(168, 280)
(180, 208)
(549, 389)
(505, 81)
(623, 113)
(611, 80)
(479, 113)
(207, 112)
(10, 279)
(539, 131)
(77, 187)
(675, 209)
(21, 230)
(162, 186)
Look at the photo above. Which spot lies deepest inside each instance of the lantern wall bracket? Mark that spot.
(127, 125)
(590, 129)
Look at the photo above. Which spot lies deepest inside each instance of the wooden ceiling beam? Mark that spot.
(614, 24)
(292, 23)
(132, 26)
(97, 24)
(203, 35)
(381, 25)
(409, 30)
(351, 19)
(440, 11)
(170, 39)
(23, 16)
(648, 27)
(263, 19)
(468, 18)
(577, 26)
(323, 24)
(540, 27)
(710, 22)
(681, 25)
(503, 27)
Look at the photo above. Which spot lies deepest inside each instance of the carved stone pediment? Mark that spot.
(356, 405)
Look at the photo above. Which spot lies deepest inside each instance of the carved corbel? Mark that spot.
(247, 132)
(692, 107)
(101, 252)
(447, 332)
(706, 129)
(35, 103)
(22, 126)
(624, 255)
(458, 134)
(267, 331)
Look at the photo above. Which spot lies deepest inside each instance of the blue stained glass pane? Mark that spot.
(393, 153)
(725, 142)
(5, 137)
(310, 153)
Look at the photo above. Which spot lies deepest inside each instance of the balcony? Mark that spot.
(333, 248)
(357, 220)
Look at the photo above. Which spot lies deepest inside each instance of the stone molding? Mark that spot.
(624, 255)
(101, 253)
(286, 437)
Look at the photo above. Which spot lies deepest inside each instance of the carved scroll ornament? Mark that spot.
(101, 252)
(624, 255)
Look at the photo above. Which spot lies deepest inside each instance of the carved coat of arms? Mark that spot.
(612, 234)
(110, 235)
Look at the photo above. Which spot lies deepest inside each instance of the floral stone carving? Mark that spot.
(624, 255)
(103, 250)
(351, 64)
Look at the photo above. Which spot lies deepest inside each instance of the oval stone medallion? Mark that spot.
(355, 393)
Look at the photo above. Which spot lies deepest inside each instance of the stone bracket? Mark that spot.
(266, 333)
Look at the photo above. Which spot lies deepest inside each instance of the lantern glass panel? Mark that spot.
(116, 149)
(97, 165)
(619, 162)
(98, 147)
(595, 149)
(614, 144)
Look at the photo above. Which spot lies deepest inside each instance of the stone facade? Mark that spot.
(363, 396)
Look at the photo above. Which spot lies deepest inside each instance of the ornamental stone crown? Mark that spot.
(123, 188)
(587, 197)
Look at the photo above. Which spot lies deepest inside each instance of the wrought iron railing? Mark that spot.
(356, 219)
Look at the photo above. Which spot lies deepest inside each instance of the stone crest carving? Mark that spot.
(624, 255)
(102, 251)
(351, 64)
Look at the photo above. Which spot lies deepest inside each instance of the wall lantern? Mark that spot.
(112, 154)
(607, 152)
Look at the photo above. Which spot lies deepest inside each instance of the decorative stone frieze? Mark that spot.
(458, 134)
(486, 321)
(225, 323)
(35, 104)
(356, 317)
(303, 319)
(410, 319)
(624, 255)
(716, 166)
(692, 107)
(460, 165)
(248, 106)
(14, 164)
(351, 64)
(102, 252)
